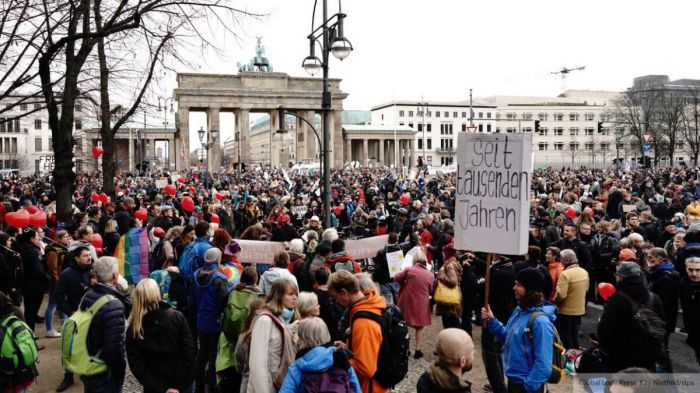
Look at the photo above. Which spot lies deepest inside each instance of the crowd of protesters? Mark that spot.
(200, 320)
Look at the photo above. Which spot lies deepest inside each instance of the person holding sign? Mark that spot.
(414, 297)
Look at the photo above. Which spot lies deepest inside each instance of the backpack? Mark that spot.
(162, 277)
(332, 380)
(559, 358)
(235, 313)
(74, 338)
(392, 362)
(18, 350)
(189, 262)
(157, 259)
(15, 268)
(648, 329)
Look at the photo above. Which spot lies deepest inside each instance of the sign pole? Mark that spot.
(487, 287)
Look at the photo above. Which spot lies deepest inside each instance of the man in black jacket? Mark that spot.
(124, 215)
(107, 328)
(388, 288)
(664, 281)
(690, 303)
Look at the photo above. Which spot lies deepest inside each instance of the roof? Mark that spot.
(355, 128)
(417, 103)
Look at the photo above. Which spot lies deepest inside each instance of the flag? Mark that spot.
(182, 151)
(229, 170)
(132, 255)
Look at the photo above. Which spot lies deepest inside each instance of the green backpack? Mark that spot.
(74, 337)
(558, 351)
(236, 312)
(17, 346)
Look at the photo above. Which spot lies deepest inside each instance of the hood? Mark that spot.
(316, 359)
(372, 303)
(667, 265)
(205, 274)
(274, 273)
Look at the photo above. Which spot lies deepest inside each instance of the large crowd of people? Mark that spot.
(155, 272)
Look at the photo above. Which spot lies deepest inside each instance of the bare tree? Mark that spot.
(690, 118)
(637, 110)
(670, 120)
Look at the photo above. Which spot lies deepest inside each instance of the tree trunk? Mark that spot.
(106, 133)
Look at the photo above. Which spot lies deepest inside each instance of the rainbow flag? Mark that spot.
(229, 170)
(232, 271)
(132, 254)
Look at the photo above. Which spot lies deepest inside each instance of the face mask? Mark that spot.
(287, 314)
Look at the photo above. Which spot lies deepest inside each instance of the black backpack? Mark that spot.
(648, 329)
(392, 363)
(157, 259)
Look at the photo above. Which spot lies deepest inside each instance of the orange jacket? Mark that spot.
(554, 270)
(366, 339)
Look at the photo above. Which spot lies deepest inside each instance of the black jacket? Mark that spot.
(690, 303)
(582, 250)
(107, 327)
(501, 297)
(616, 323)
(123, 218)
(381, 267)
(286, 233)
(164, 358)
(666, 285)
(444, 239)
(36, 279)
(72, 285)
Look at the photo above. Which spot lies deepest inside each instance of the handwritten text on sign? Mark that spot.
(493, 183)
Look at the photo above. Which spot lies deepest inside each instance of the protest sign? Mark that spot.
(161, 183)
(493, 185)
(299, 211)
(366, 248)
(395, 262)
(255, 251)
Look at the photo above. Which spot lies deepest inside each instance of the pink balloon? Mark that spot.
(104, 198)
(97, 151)
(32, 209)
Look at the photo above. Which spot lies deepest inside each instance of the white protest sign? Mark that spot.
(299, 211)
(395, 262)
(161, 183)
(366, 248)
(255, 251)
(493, 184)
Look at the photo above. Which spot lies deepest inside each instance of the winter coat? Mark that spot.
(571, 291)
(72, 286)
(526, 361)
(211, 294)
(365, 340)
(164, 358)
(555, 269)
(36, 279)
(501, 298)
(582, 250)
(616, 323)
(110, 243)
(449, 276)
(55, 262)
(273, 274)
(313, 360)
(381, 268)
(107, 327)
(439, 379)
(690, 250)
(690, 303)
(436, 251)
(665, 282)
(414, 295)
(22, 379)
(270, 355)
(331, 312)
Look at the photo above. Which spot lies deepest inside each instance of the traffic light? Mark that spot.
(600, 127)
(537, 126)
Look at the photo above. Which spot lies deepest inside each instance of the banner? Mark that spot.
(366, 248)
(255, 251)
(299, 211)
(493, 185)
(161, 183)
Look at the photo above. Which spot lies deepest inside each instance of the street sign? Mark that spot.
(471, 128)
(646, 137)
(646, 147)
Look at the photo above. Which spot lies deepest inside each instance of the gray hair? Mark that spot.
(569, 255)
(104, 269)
(297, 246)
(312, 332)
(658, 252)
(306, 303)
(330, 234)
(692, 260)
(635, 237)
(419, 256)
(365, 281)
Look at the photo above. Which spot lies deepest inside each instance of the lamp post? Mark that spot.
(165, 119)
(211, 139)
(422, 107)
(330, 37)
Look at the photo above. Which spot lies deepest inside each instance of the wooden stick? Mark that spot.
(489, 256)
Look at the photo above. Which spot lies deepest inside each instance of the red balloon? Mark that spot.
(570, 213)
(187, 204)
(181, 180)
(97, 151)
(94, 197)
(99, 252)
(193, 190)
(158, 232)
(170, 189)
(404, 200)
(219, 197)
(96, 240)
(605, 290)
(37, 219)
(141, 214)
(104, 198)
(32, 209)
(215, 218)
(18, 219)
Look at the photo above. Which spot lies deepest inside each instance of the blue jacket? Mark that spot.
(211, 294)
(316, 359)
(525, 361)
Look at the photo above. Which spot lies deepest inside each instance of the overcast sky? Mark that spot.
(408, 49)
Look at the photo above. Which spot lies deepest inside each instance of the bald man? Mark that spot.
(455, 351)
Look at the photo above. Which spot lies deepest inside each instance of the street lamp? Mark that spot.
(420, 110)
(165, 113)
(330, 36)
(211, 139)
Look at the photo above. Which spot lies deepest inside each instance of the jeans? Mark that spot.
(390, 292)
(491, 351)
(50, 310)
(567, 326)
(109, 382)
(208, 345)
(32, 303)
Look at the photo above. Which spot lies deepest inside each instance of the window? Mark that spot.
(488, 115)
(498, 130)
(542, 116)
(50, 146)
(429, 127)
(464, 128)
(455, 114)
(619, 132)
(37, 124)
(464, 114)
(604, 146)
(589, 116)
(527, 129)
(542, 146)
(604, 117)
(382, 116)
(558, 117)
(430, 144)
(2, 124)
(428, 113)
(573, 146)
(573, 116)
(410, 113)
(37, 144)
(511, 116)
(14, 146)
(527, 116)
(37, 106)
(573, 131)
(446, 144)
(23, 107)
(78, 107)
(446, 129)
(420, 127)
(481, 115)
(446, 160)
(558, 131)
(679, 145)
(410, 125)
(605, 131)
(420, 144)
(447, 114)
(510, 130)
(558, 146)
(481, 127)
(589, 131)
(437, 113)
(488, 128)
(543, 131)
(401, 113)
(78, 145)
(1, 146)
(401, 123)
(589, 145)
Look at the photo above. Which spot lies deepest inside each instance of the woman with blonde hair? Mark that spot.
(307, 307)
(159, 344)
(111, 238)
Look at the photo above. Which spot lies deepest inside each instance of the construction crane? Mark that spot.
(564, 72)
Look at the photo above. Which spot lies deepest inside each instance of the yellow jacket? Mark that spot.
(571, 291)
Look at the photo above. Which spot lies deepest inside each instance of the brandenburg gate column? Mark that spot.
(381, 157)
(214, 162)
(182, 140)
(365, 152)
(347, 152)
(275, 144)
(310, 136)
(336, 128)
(300, 137)
(243, 132)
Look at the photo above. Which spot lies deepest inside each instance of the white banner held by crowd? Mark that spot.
(366, 248)
(255, 251)
(493, 185)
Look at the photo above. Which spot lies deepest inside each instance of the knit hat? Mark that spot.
(531, 279)
(627, 255)
(212, 255)
(629, 270)
(232, 248)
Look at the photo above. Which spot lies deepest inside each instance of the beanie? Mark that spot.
(627, 255)
(531, 279)
(212, 255)
(628, 270)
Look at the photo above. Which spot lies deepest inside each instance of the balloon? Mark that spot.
(588, 211)
(37, 219)
(32, 209)
(404, 200)
(97, 151)
(219, 197)
(570, 213)
(94, 197)
(605, 290)
(141, 214)
(215, 218)
(187, 204)
(104, 198)
(181, 180)
(170, 189)
(99, 252)
(18, 219)
(193, 190)
(96, 240)
(158, 232)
